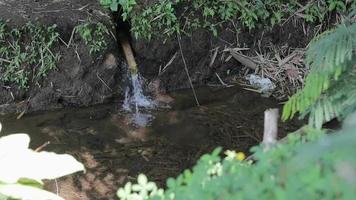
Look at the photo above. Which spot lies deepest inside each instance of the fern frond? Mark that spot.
(339, 101)
(329, 56)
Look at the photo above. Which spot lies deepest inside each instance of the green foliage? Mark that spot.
(22, 169)
(330, 89)
(309, 165)
(94, 35)
(26, 53)
(168, 17)
(126, 5)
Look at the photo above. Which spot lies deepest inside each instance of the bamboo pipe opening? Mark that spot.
(125, 44)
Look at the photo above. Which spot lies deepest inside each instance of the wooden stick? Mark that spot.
(270, 131)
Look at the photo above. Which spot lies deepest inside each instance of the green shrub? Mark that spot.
(309, 165)
(330, 87)
(26, 53)
(94, 35)
(168, 17)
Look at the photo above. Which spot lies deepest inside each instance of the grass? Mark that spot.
(26, 53)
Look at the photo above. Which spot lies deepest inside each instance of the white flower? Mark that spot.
(125, 193)
(143, 186)
(230, 155)
(215, 170)
(140, 191)
(157, 192)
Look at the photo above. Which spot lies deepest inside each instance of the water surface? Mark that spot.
(116, 145)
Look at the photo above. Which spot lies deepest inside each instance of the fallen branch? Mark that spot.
(246, 61)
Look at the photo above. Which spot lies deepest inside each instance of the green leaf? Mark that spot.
(30, 182)
(114, 6)
(18, 191)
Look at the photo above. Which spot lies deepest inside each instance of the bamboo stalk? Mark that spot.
(125, 44)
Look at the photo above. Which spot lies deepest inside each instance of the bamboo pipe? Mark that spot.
(125, 44)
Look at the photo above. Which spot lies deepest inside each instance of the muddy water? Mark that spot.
(114, 149)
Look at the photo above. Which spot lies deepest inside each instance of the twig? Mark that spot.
(168, 64)
(76, 52)
(252, 90)
(113, 35)
(5, 60)
(296, 13)
(187, 72)
(57, 188)
(70, 39)
(221, 81)
(216, 50)
(49, 11)
(81, 8)
(38, 149)
(97, 75)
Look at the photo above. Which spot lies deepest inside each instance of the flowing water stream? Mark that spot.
(136, 102)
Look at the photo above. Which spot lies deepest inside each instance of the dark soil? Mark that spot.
(198, 50)
(81, 79)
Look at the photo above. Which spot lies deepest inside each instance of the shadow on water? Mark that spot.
(115, 150)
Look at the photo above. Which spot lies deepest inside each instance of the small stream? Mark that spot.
(115, 148)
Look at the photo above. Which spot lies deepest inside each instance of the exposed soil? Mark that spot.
(114, 151)
(199, 48)
(81, 79)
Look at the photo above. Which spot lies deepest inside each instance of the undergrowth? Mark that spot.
(26, 53)
(169, 17)
(94, 35)
(309, 165)
(330, 87)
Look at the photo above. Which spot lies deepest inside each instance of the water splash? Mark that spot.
(137, 102)
(134, 95)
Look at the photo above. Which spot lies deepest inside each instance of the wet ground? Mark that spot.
(115, 151)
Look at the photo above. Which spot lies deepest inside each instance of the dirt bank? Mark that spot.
(83, 79)
(204, 53)
(80, 78)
